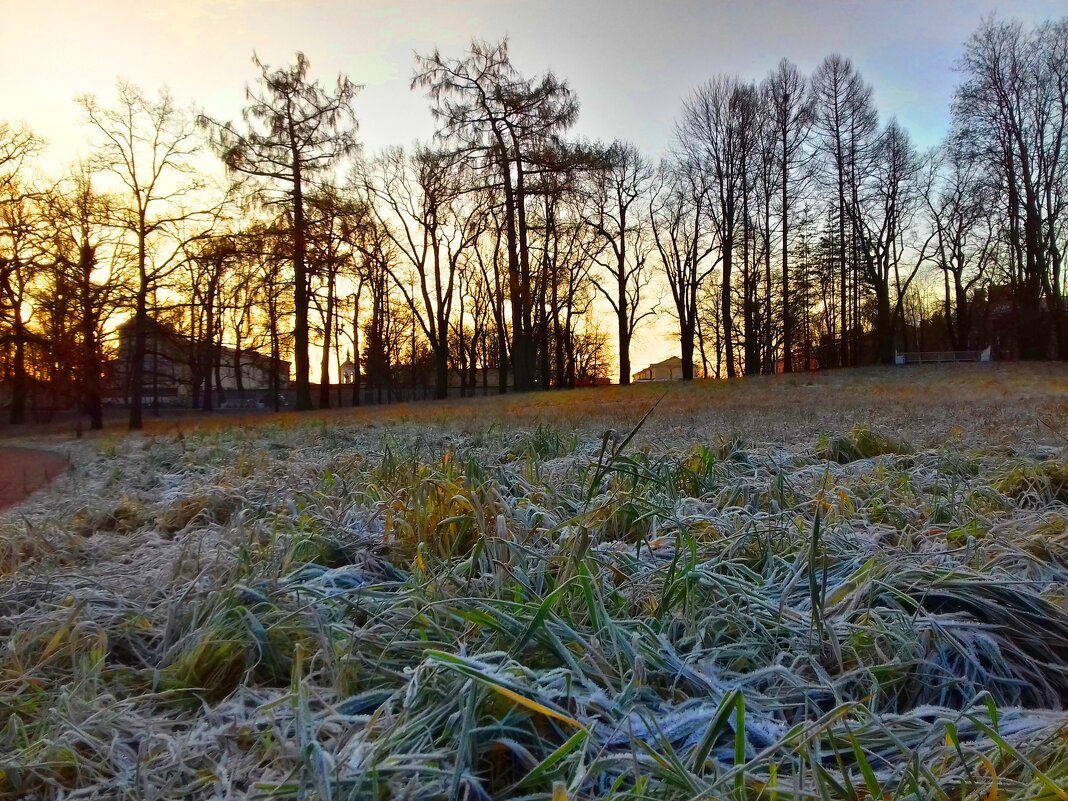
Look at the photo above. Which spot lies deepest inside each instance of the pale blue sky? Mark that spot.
(630, 62)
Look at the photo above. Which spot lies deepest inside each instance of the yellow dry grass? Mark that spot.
(990, 403)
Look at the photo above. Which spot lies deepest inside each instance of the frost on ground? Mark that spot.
(855, 588)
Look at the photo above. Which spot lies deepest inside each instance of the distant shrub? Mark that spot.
(860, 443)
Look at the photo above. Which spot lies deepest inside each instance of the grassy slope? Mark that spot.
(491, 598)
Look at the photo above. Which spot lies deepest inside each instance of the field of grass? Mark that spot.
(841, 586)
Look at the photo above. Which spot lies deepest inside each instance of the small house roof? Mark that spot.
(673, 361)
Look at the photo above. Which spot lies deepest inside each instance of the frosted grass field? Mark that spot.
(841, 586)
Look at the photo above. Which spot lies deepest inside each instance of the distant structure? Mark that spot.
(943, 356)
(667, 370)
(348, 370)
(172, 359)
(800, 363)
(596, 381)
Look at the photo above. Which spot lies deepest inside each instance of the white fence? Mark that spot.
(942, 356)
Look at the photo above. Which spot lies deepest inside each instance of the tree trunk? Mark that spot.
(951, 323)
(140, 325)
(725, 304)
(884, 325)
(276, 355)
(300, 297)
(624, 350)
(207, 352)
(441, 372)
(19, 376)
(750, 343)
(89, 379)
(519, 349)
(239, 380)
(963, 321)
(217, 362)
(843, 345)
(137, 360)
(686, 335)
(787, 322)
(324, 364)
(356, 350)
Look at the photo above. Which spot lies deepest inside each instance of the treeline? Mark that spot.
(787, 227)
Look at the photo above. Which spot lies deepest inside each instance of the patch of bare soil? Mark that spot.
(23, 471)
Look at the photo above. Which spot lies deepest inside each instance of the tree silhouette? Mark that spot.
(501, 122)
(294, 130)
(148, 145)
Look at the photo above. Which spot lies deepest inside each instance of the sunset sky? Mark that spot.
(631, 63)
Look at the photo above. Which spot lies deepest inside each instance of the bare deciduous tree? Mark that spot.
(845, 127)
(790, 113)
(148, 145)
(684, 243)
(502, 123)
(717, 133)
(617, 196)
(1012, 114)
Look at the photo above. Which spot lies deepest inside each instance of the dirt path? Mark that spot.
(23, 471)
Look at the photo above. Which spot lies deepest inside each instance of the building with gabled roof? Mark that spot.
(172, 359)
(667, 370)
